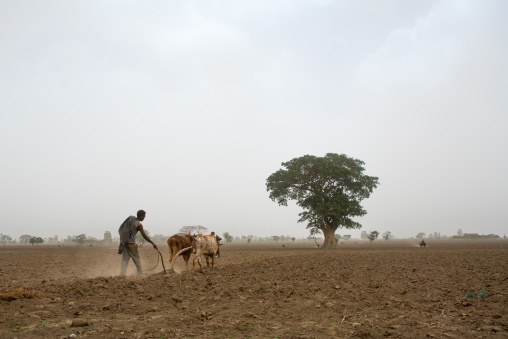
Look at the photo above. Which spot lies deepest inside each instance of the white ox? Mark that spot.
(207, 246)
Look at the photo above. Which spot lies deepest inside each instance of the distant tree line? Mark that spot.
(475, 236)
(460, 235)
(82, 239)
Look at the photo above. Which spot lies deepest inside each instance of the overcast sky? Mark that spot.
(184, 108)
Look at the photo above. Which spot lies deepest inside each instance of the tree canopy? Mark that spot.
(228, 237)
(373, 236)
(328, 188)
(80, 239)
(36, 240)
(193, 229)
(4, 239)
(388, 235)
(25, 238)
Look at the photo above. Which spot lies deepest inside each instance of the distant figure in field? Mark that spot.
(423, 243)
(128, 247)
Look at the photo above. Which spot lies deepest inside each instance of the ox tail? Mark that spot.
(176, 256)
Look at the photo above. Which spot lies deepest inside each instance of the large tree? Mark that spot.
(328, 188)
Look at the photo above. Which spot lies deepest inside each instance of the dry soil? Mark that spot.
(389, 288)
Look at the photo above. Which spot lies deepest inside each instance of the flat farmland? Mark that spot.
(387, 289)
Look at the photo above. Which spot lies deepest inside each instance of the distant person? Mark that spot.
(128, 246)
(423, 243)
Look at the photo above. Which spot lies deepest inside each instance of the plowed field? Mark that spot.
(392, 289)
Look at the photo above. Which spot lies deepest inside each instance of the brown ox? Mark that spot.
(206, 246)
(178, 242)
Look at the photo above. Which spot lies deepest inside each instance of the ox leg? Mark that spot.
(170, 257)
(171, 253)
(194, 263)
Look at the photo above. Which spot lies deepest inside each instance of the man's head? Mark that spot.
(141, 215)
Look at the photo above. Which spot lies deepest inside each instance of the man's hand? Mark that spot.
(154, 246)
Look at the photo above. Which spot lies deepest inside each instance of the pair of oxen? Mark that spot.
(207, 246)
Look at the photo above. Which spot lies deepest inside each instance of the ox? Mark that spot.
(178, 242)
(206, 246)
(423, 243)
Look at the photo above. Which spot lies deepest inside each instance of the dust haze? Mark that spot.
(184, 109)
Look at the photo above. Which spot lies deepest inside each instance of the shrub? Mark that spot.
(478, 296)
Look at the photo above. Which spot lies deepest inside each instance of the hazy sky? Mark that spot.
(184, 108)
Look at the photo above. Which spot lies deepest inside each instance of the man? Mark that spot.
(128, 247)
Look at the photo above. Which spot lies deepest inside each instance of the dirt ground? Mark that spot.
(392, 289)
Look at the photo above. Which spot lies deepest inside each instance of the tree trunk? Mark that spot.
(329, 233)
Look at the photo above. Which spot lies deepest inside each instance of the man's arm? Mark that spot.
(142, 231)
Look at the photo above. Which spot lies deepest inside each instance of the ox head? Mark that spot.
(218, 239)
(194, 240)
